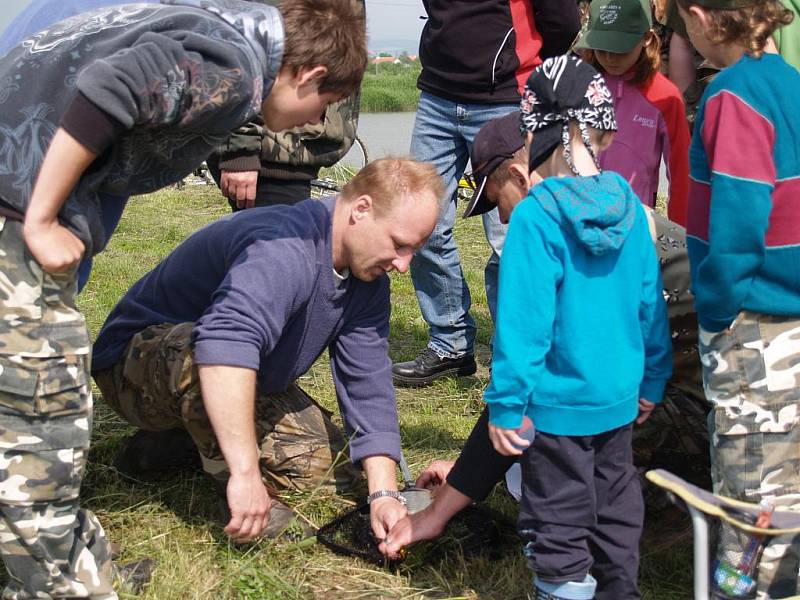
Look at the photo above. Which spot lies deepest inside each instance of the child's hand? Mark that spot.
(53, 246)
(645, 408)
(435, 474)
(507, 441)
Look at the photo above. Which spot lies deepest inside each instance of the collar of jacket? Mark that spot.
(261, 26)
(616, 83)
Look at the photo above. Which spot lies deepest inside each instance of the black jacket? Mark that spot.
(482, 51)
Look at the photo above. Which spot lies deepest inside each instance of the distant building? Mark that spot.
(385, 59)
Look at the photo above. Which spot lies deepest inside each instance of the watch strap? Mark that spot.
(386, 494)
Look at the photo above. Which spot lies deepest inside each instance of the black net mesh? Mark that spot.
(473, 531)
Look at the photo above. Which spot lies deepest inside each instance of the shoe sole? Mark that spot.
(402, 381)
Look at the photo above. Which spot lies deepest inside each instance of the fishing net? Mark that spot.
(474, 531)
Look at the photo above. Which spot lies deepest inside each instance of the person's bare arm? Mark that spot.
(54, 246)
(384, 512)
(229, 397)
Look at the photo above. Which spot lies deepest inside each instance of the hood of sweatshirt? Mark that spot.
(260, 24)
(598, 211)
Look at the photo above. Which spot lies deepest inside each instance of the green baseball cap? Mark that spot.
(616, 25)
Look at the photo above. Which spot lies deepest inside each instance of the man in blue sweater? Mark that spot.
(212, 340)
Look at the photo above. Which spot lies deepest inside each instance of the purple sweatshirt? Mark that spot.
(652, 124)
(261, 288)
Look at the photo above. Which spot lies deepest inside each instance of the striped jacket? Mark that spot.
(743, 232)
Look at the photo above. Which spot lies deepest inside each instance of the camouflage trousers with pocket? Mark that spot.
(155, 387)
(51, 547)
(751, 374)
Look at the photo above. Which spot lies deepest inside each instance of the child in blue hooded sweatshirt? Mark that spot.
(582, 344)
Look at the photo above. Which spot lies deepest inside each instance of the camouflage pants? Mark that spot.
(751, 374)
(155, 386)
(51, 547)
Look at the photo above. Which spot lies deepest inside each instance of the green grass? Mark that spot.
(174, 520)
(390, 88)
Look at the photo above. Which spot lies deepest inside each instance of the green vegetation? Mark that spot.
(390, 87)
(174, 520)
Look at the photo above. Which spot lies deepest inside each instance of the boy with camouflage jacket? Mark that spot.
(257, 166)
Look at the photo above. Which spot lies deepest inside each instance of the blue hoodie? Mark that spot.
(582, 330)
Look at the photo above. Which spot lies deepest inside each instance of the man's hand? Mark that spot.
(435, 474)
(53, 246)
(384, 513)
(249, 504)
(239, 186)
(645, 409)
(507, 441)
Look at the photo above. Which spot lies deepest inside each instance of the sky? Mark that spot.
(393, 25)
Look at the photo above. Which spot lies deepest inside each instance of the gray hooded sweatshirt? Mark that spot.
(151, 88)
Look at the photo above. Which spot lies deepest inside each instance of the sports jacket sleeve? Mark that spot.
(254, 147)
(655, 328)
(674, 132)
(174, 79)
(362, 374)
(739, 143)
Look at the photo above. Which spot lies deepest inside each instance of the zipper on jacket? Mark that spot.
(497, 56)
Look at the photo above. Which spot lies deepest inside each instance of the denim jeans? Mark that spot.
(443, 134)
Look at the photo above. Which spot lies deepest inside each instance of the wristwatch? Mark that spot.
(386, 493)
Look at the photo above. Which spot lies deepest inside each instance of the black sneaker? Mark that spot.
(429, 366)
(150, 453)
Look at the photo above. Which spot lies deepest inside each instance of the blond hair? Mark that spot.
(330, 33)
(749, 26)
(393, 179)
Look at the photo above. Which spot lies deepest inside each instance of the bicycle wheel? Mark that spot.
(332, 178)
(200, 176)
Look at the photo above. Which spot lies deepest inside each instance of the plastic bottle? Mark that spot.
(527, 432)
(514, 474)
(734, 575)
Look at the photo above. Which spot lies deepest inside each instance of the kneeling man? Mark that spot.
(213, 339)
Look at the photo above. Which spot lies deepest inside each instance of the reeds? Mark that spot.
(390, 88)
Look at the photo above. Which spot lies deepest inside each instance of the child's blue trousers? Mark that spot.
(582, 510)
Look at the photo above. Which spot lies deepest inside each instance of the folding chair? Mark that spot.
(703, 504)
